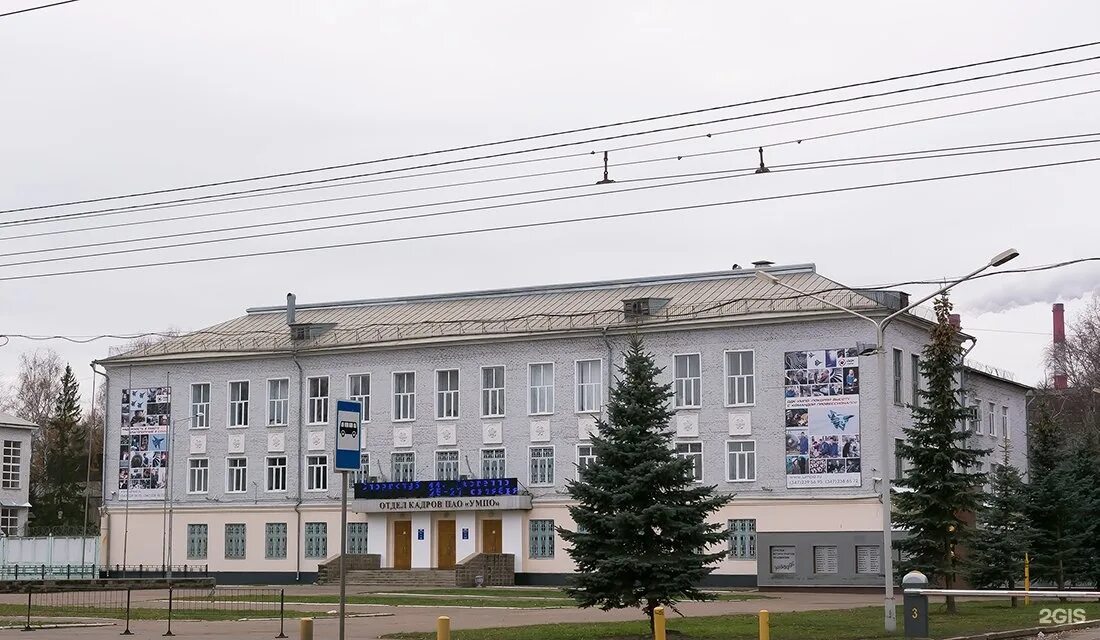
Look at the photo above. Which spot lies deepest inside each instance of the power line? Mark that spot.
(590, 140)
(44, 6)
(722, 175)
(189, 202)
(546, 223)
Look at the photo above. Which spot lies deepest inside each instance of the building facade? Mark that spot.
(224, 438)
(15, 474)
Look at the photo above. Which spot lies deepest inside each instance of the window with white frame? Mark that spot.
(492, 392)
(404, 396)
(363, 474)
(200, 406)
(742, 539)
(976, 416)
(693, 453)
(586, 455)
(446, 394)
(991, 421)
(493, 463)
(915, 384)
(542, 466)
(318, 400)
(12, 464)
(359, 391)
(589, 385)
(741, 460)
(1004, 423)
(404, 466)
(540, 383)
(235, 536)
(278, 402)
(446, 465)
(276, 473)
(196, 541)
(9, 521)
(541, 539)
(238, 404)
(897, 377)
(317, 473)
(236, 475)
(688, 380)
(740, 379)
(198, 474)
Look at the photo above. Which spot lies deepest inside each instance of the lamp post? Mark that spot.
(889, 606)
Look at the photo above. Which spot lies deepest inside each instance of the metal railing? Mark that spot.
(94, 571)
(1008, 593)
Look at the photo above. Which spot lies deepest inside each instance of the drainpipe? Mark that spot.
(104, 534)
(607, 342)
(301, 481)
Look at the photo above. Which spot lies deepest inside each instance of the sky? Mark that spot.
(103, 98)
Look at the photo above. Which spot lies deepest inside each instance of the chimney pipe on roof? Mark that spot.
(291, 299)
(1061, 380)
(759, 264)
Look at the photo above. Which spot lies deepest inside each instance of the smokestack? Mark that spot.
(1061, 381)
(291, 299)
(955, 320)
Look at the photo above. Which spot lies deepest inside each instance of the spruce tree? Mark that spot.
(939, 485)
(642, 537)
(60, 502)
(1001, 540)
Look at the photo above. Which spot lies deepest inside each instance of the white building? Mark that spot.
(15, 474)
(773, 404)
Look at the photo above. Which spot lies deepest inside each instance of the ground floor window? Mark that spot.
(275, 540)
(316, 539)
(196, 541)
(357, 538)
(234, 541)
(9, 521)
(541, 539)
(742, 539)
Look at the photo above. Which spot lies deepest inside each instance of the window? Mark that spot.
(868, 559)
(693, 452)
(492, 463)
(359, 391)
(586, 455)
(356, 540)
(688, 380)
(446, 394)
(9, 521)
(916, 379)
(991, 423)
(404, 396)
(589, 386)
(446, 465)
(238, 404)
(198, 471)
(318, 400)
(276, 473)
(897, 377)
(275, 540)
(13, 456)
(542, 466)
(404, 466)
(236, 475)
(200, 406)
(196, 541)
(742, 539)
(278, 402)
(317, 473)
(363, 474)
(540, 383)
(1004, 423)
(541, 539)
(492, 392)
(825, 559)
(316, 539)
(234, 541)
(976, 416)
(741, 459)
(740, 379)
(899, 460)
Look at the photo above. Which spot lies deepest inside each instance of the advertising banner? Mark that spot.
(143, 445)
(821, 391)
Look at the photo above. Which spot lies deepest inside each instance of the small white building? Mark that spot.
(15, 473)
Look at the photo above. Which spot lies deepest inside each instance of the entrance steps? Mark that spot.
(404, 577)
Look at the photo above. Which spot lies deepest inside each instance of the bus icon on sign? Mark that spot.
(349, 428)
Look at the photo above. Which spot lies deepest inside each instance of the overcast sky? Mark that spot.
(103, 97)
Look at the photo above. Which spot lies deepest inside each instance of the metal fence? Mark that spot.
(90, 571)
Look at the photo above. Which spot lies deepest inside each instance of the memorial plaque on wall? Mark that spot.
(783, 559)
(868, 559)
(825, 560)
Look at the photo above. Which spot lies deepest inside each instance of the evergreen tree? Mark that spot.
(60, 502)
(1001, 540)
(1082, 469)
(939, 486)
(642, 537)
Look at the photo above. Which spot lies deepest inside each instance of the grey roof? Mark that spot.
(7, 420)
(693, 299)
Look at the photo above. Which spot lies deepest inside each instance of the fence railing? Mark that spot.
(92, 571)
(915, 604)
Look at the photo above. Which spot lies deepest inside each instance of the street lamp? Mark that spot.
(887, 441)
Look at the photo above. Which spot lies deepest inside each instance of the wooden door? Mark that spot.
(445, 531)
(402, 544)
(491, 536)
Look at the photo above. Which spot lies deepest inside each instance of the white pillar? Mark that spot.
(512, 535)
(422, 549)
(378, 536)
(465, 521)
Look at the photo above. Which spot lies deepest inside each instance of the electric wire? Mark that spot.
(722, 175)
(29, 9)
(541, 148)
(546, 223)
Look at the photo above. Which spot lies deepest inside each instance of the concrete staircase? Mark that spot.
(403, 577)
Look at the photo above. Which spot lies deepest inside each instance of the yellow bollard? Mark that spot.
(658, 623)
(443, 628)
(305, 628)
(765, 629)
(1027, 580)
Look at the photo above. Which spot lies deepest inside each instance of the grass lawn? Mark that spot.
(851, 624)
(38, 614)
(403, 600)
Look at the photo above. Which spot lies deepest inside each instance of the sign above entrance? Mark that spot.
(437, 489)
(349, 422)
(415, 505)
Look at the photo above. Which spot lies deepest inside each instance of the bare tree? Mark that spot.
(33, 397)
(1078, 407)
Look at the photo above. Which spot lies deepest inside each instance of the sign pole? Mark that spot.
(343, 545)
(349, 444)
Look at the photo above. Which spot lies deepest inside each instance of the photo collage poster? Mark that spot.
(143, 445)
(821, 398)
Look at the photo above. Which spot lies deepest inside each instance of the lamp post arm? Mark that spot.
(823, 301)
(935, 293)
